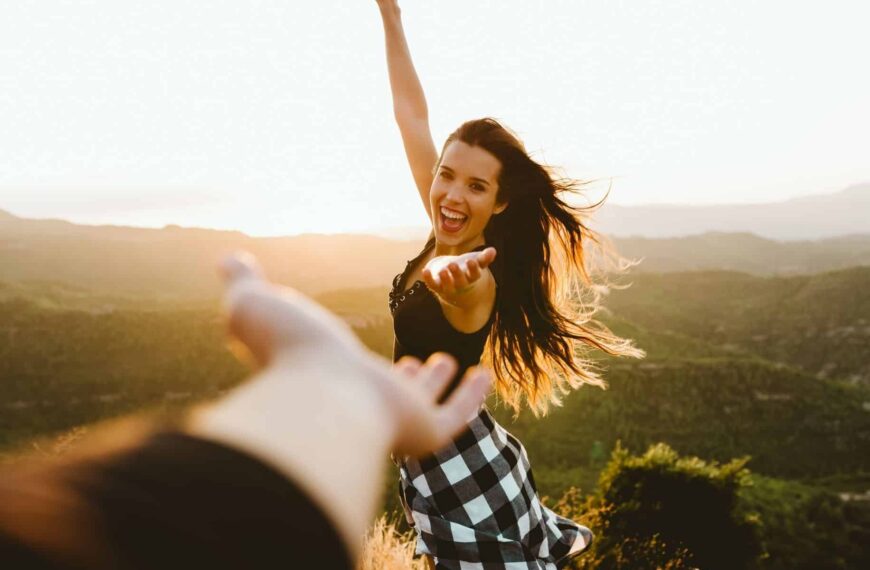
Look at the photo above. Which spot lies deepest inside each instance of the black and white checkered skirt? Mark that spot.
(474, 505)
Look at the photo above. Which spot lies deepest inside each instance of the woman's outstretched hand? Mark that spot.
(453, 275)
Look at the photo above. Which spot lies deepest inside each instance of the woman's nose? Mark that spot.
(454, 193)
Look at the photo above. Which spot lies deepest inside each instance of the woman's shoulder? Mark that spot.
(400, 278)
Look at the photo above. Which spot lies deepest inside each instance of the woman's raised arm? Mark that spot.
(409, 101)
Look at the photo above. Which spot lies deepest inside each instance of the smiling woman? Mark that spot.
(503, 270)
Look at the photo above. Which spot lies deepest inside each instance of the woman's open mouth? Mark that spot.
(451, 221)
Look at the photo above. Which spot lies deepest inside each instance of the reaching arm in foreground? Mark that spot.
(324, 409)
(285, 470)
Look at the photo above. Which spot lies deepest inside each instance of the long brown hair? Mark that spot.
(546, 297)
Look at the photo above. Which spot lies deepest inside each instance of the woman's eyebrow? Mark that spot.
(475, 178)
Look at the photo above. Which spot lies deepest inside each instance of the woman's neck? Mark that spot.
(458, 249)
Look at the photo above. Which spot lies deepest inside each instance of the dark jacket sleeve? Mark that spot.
(176, 501)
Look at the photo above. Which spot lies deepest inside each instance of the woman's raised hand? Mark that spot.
(388, 5)
(450, 275)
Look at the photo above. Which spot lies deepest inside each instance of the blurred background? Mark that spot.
(140, 142)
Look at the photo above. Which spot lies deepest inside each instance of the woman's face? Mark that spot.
(463, 194)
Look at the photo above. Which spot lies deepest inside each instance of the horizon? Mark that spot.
(407, 232)
(204, 115)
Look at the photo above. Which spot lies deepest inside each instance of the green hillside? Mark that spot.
(791, 424)
(69, 357)
(61, 368)
(819, 323)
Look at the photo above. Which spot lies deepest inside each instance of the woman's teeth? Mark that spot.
(452, 221)
(453, 215)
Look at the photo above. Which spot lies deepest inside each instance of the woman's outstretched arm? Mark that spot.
(409, 101)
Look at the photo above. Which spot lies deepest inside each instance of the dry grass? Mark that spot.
(386, 549)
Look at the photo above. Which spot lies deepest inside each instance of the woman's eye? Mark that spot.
(444, 174)
(476, 186)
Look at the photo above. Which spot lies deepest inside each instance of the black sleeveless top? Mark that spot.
(421, 328)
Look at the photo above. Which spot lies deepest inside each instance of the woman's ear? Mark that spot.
(499, 208)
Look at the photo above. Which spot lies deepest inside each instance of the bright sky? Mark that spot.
(274, 117)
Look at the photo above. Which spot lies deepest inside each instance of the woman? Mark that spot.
(505, 256)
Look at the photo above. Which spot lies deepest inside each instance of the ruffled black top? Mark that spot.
(421, 328)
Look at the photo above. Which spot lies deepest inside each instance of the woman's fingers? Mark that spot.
(472, 270)
(486, 257)
(460, 277)
(447, 285)
(430, 280)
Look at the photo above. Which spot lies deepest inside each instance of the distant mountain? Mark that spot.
(804, 218)
(176, 262)
(4, 215)
(745, 252)
(180, 262)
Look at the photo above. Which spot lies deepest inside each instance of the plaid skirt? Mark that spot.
(474, 505)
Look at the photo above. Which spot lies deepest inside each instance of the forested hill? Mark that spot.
(819, 323)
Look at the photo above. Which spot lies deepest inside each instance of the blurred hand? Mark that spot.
(426, 425)
(270, 320)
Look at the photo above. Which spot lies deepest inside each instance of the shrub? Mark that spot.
(663, 511)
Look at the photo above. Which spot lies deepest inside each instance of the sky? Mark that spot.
(274, 117)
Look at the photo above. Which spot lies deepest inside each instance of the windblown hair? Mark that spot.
(544, 326)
